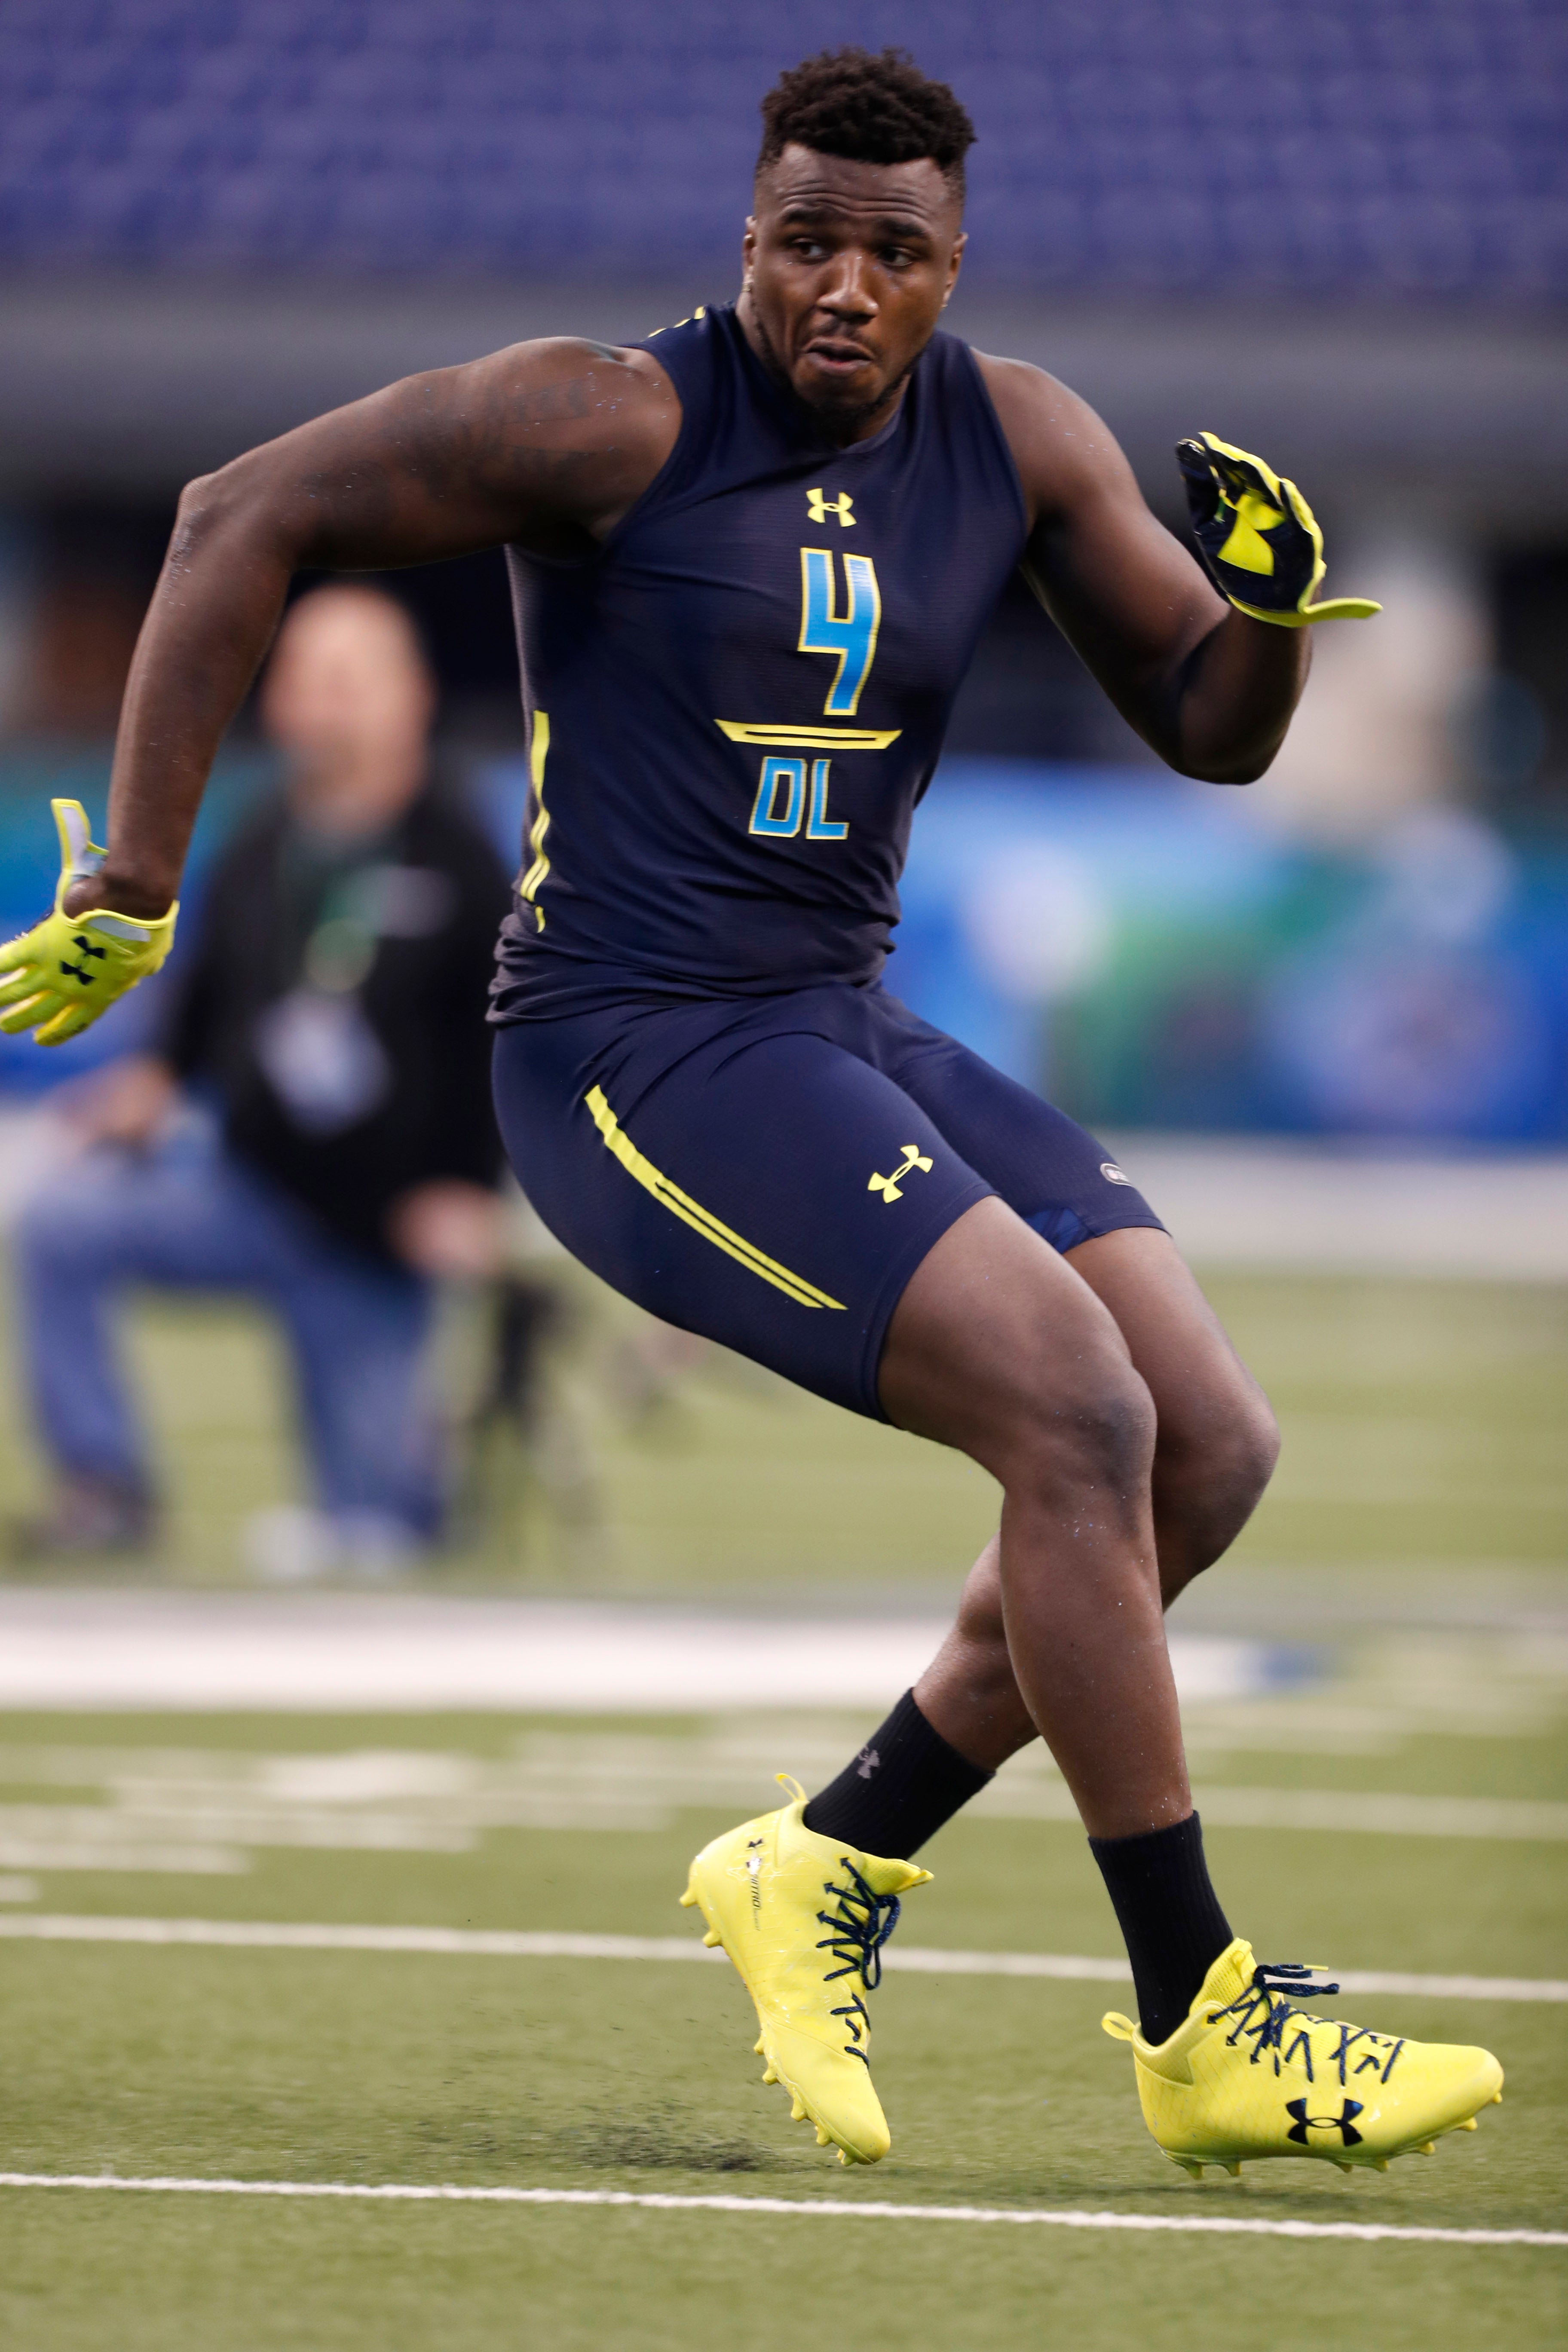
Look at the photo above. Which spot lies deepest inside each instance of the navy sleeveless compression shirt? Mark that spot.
(735, 703)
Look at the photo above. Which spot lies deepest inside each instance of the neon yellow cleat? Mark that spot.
(804, 1918)
(1250, 2075)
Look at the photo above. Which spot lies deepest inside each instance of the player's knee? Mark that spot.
(1225, 1466)
(1254, 1448)
(1096, 1428)
(1207, 1489)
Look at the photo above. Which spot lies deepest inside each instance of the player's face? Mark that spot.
(848, 268)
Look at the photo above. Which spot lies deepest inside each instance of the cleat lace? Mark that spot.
(1267, 2018)
(857, 1930)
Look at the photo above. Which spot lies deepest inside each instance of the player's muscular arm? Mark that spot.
(548, 443)
(1209, 689)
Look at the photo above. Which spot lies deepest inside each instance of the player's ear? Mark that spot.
(954, 263)
(749, 243)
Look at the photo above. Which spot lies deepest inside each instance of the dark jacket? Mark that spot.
(334, 1002)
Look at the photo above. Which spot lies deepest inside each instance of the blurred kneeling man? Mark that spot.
(332, 1011)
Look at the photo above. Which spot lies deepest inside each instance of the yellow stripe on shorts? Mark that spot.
(701, 1220)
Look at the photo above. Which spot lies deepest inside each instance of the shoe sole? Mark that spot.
(1232, 2163)
(801, 2108)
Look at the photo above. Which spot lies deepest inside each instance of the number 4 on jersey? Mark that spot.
(850, 633)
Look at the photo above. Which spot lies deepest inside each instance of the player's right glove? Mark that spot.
(59, 976)
(1258, 538)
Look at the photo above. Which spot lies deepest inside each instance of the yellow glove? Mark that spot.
(1258, 538)
(59, 976)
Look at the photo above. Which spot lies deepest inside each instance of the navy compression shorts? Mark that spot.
(769, 1171)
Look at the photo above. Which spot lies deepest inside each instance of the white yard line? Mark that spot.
(450, 2193)
(1387, 1813)
(528, 1944)
(214, 1652)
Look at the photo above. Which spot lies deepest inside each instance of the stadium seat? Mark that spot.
(1416, 146)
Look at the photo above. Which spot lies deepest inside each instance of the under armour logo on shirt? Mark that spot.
(818, 506)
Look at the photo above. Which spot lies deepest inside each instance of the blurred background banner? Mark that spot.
(1339, 235)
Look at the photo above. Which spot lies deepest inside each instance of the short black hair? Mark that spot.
(870, 110)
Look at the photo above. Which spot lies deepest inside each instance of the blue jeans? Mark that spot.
(189, 1217)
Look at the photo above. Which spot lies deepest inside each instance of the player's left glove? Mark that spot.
(1258, 538)
(59, 976)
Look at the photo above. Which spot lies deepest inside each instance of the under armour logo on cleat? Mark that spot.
(819, 507)
(1306, 2123)
(890, 1186)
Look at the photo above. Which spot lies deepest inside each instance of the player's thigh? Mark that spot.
(999, 1347)
(1052, 1172)
(772, 1191)
(1063, 1183)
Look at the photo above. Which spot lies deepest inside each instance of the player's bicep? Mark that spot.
(447, 463)
(1124, 592)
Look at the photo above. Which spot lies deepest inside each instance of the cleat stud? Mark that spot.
(687, 1899)
(713, 1937)
(1346, 2169)
(1189, 2165)
(824, 2136)
(1428, 2147)
(844, 2158)
(757, 2049)
(1234, 2169)
(1497, 2098)
(1470, 2123)
(1380, 2163)
(797, 2109)
(769, 2076)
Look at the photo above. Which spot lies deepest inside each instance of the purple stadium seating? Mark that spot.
(1411, 147)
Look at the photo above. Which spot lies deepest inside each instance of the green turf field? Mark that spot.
(1423, 1424)
(411, 2067)
(1423, 1481)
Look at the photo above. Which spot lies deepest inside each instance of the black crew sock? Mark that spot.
(1169, 1916)
(905, 1782)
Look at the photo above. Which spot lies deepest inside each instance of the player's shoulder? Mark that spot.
(575, 376)
(583, 426)
(1059, 445)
